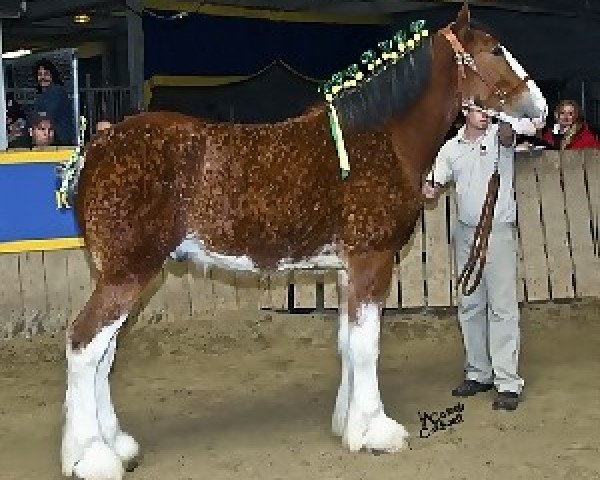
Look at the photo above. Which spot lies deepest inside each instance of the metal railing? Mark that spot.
(104, 103)
(95, 103)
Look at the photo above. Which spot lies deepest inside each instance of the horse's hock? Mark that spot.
(558, 198)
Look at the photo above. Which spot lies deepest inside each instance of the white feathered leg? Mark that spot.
(122, 443)
(367, 425)
(85, 453)
(338, 421)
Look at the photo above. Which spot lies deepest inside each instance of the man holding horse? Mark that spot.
(489, 316)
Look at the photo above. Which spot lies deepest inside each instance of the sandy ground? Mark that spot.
(250, 395)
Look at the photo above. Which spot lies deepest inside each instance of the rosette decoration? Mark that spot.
(68, 172)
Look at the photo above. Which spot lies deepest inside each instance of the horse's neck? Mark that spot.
(419, 133)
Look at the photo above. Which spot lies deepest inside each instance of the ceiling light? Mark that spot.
(15, 54)
(81, 18)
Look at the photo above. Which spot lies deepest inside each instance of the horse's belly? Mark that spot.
(194, 249)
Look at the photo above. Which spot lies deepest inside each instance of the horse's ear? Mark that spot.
(462, 26)
(464, 16)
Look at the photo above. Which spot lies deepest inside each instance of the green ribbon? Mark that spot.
(370, 64)
(338, 140)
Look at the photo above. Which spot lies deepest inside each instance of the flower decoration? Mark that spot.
(373, 62)
(352, 78)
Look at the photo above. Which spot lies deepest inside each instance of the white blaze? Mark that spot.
(537, 98)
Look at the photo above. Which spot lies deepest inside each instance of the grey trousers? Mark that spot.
(489, 317)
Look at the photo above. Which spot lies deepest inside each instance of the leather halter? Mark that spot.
(464, 58)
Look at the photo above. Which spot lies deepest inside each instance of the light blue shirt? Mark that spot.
(470, 164)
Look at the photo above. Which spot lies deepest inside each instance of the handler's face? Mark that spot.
(477, 118)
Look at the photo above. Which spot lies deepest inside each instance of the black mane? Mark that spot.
(387, 93)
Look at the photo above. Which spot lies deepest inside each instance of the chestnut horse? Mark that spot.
(268, 197)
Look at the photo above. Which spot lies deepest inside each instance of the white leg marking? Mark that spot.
(84, 451)
(122, 443)
(367, 425)
(338, 421)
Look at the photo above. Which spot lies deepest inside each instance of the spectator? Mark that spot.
(16, 125)
(570, 131)
(54, 100)
(103, 124)
(41, 130)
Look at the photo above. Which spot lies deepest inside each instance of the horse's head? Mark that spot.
(489, 75)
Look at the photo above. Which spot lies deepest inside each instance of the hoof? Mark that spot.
(99, 462)
(126, 447)
(338, 420)
(337, 426)
(379, 435)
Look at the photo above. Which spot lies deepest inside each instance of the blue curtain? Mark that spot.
(210, 45)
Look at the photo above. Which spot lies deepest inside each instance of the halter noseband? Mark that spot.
(464, 58)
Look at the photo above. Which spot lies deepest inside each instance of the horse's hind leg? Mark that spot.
(91, 434)
(122, 443)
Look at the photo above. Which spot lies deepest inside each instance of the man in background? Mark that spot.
(53, 99)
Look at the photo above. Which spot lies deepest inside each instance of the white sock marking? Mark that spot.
(367, 425)
(82, 438)
(123, 444)
(340, 413)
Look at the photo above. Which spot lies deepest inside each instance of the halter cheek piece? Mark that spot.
(464, 58)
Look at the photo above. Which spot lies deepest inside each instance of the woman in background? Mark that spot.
(570, 131)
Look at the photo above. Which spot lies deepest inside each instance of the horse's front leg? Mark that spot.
(340, 414)
(367, 425)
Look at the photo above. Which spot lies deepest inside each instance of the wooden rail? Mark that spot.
(558, 197)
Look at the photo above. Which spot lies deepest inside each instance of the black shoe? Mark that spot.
(468, 388)
(506, 401)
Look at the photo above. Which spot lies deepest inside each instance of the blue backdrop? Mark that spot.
(27, 204)
(212, 45)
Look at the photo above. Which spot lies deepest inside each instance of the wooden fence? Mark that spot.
(558, 197)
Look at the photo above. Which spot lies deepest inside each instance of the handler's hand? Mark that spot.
(430, 191)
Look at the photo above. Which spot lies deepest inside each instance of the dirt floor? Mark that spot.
(250, 396)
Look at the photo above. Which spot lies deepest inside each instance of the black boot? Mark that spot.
(468, 388)
(506, 401)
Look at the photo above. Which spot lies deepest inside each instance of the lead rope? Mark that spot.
(481, 238)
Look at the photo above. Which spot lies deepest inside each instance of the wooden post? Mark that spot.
(3, 135)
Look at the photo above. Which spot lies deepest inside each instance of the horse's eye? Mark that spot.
(497, 51)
